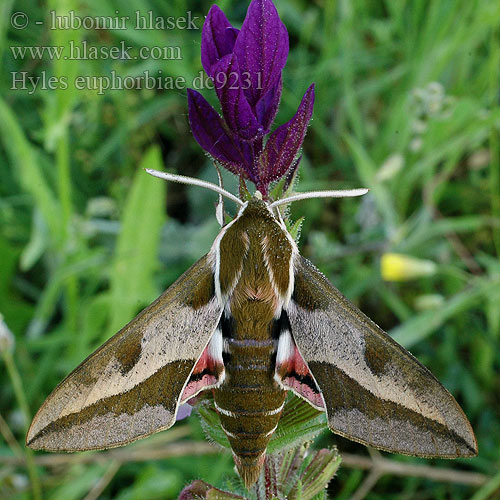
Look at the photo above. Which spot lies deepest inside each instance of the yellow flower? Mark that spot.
(399, 267)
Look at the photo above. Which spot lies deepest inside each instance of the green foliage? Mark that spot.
(406, 105)
(135, 260)
(291, 470)
(299, 423)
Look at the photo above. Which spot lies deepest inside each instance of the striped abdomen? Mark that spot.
(249, 402)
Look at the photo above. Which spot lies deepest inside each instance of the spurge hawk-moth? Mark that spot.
(251, 320)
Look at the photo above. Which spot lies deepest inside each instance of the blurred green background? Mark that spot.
(407, 104)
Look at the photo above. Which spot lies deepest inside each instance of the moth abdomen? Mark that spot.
(249, 418)
(249, 402)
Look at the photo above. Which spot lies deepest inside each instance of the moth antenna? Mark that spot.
(342, 193)
(194, 182)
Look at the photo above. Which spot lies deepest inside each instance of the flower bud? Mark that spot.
(399, 267)
(428, 301)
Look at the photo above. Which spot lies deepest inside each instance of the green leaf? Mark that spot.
(37, 244)
(422, 325)
(27, 168)
(210, 423)
(299, 422)
(153, 483)
(317, 474)
(79, 481)
(367, 169)
(297, 474)
(136, 257)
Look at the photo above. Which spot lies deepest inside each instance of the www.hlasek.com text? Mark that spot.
(85, 51)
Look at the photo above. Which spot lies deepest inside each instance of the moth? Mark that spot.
(251, 320)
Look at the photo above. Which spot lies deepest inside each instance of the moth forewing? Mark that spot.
(132, 385)
(375, 392)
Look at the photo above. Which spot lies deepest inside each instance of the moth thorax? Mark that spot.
(255, 256)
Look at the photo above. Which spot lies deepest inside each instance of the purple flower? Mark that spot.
(184, 411)
(246, 68)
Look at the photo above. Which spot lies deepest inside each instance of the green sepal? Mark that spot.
(276, 192)
(285, 186)
(244, 192)
(291, 177)
(295, 228)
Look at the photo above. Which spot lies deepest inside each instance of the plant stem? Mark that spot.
(17, 385)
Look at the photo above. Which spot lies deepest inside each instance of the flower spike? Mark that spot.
(246, 68)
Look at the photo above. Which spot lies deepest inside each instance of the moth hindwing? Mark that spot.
(252, 320)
